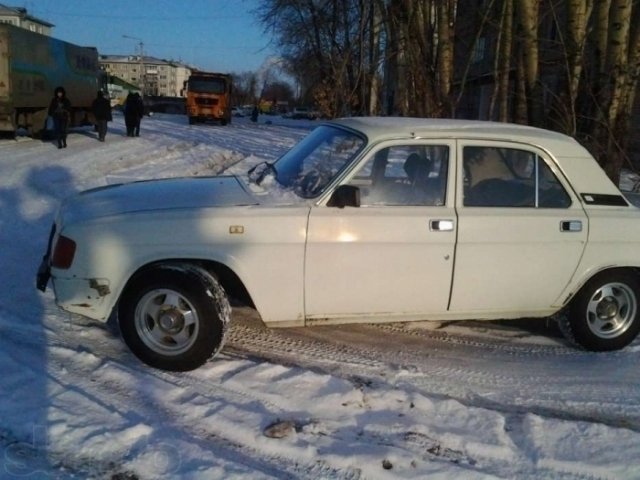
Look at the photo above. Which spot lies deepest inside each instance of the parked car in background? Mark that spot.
(237, 112)
(365, 220)
(300, 113)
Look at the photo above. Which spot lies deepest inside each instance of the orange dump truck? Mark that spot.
(209, 97)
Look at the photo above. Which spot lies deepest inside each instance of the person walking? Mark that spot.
(130, 113)
(133, 112)
(101, 108)
(140, 111)
(60, 111)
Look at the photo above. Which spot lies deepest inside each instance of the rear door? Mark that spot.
(521, 230)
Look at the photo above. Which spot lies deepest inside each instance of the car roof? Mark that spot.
(573, 159)
(382, 128)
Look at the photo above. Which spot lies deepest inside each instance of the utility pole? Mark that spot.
(141, 78)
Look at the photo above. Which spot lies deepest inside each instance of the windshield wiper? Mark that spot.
(268, 167)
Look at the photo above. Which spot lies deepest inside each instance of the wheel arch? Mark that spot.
(230, 281)
(594, 274)
(603, 322)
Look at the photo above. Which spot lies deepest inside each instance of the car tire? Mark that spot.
(174, 317)
(605, 314)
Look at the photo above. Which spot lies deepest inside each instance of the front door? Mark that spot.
(394, 254)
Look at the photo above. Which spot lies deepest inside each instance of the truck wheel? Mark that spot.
(604, 315)
(192, 120)
(174, 317)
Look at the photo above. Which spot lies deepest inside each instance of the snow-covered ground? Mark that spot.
(459, 400)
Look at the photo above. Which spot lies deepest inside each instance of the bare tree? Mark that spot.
(531, 97)
(244, 88)
(325, 43)
(572, 34)
(420, 56)
(502, 63)
(611, 82)
(569, 65)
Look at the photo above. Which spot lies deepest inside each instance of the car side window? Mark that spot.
(509, 177)
(404, 175)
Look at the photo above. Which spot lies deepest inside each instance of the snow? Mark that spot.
(440, 400)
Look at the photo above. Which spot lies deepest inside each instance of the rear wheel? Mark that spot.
(605, 314)
(174, 317)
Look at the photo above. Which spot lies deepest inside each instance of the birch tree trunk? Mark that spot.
(444, 80)
(528, 13)
(618, 53)
(374, 56)
(521, 110)
(623, 56)
(502, 64)
(578, 15)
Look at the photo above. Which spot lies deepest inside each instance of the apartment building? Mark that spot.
(152, 75)
(19, 17)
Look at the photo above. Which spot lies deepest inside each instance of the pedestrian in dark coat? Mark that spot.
(101, 108)
(131, 113)
(140, 111)
(60, 111)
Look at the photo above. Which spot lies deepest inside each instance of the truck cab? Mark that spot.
(209, 97)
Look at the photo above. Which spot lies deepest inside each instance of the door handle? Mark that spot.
(441, 225)
(571, 226)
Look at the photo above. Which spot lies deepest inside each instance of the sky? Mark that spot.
(215, 35)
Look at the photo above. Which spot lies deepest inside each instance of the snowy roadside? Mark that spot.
(402, 401)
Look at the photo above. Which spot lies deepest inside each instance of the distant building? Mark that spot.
(118, 90)
(153, 76)
(19, 17)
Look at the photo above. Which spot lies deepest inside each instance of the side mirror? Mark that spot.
(345, 196)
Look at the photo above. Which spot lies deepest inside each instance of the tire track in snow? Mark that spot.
(109, 385)
(447, 365)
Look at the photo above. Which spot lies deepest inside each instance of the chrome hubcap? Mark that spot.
(171, 321)
(611, 310)
(166, 322)
(607, 309)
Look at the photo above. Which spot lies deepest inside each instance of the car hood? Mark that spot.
(154, 195)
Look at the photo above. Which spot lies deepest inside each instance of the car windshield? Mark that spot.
(311, 165)
(207, 85)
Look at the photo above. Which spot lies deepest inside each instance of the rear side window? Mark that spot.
(509, 177)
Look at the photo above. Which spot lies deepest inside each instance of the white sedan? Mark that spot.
(365, 220)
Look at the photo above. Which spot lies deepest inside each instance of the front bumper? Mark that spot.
(44, 274)
(87, 297)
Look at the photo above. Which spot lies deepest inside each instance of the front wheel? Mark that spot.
(174, 317)
(605, 314)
